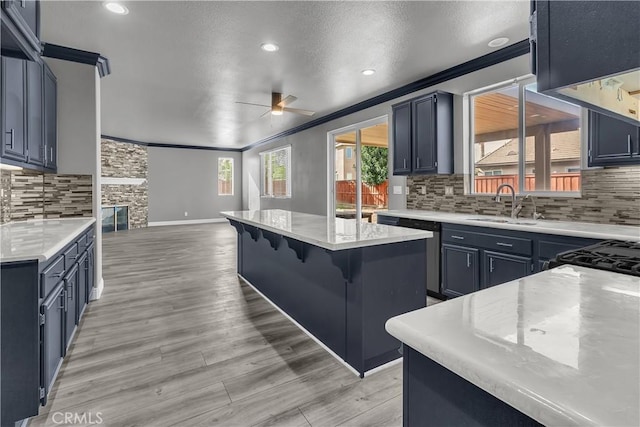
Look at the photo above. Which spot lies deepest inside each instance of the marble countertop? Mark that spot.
(329, 233)
(39, 239)
(563, 228)
(561, 346)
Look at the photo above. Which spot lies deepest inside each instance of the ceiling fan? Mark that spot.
(279, 106)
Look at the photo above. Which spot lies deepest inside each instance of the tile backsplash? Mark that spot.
(34, 195)
(609, 196)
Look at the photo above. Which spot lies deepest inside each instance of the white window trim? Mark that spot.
(233, 171)
(468, 138)
(262, 177)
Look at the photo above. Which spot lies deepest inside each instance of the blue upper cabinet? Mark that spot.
(423, 135)
(21, 28)
(14, 129)
(588, 52)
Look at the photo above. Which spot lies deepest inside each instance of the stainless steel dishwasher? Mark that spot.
(433, 253)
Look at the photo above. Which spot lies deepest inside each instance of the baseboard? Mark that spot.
(96, 292)
(186, 222)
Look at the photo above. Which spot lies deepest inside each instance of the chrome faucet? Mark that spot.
(535, 214)
(514, 208)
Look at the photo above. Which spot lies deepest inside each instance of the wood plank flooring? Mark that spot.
(178, 339)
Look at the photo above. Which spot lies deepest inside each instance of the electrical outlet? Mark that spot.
(397, 189)
(186, 213)
(423, 189)
(406, 190)
(448, 190)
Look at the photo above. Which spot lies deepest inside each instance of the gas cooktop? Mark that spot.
(611, 255)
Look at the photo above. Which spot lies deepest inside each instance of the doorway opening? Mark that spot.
(358, 177)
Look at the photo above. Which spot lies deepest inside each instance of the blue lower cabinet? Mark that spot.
(500, 268)
(52, 337)
(460, 270)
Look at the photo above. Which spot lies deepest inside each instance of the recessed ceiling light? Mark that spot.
(368, 72)
(500, 41)
(116, 8)
(269, 47)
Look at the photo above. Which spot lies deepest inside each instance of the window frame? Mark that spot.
(263, 185)
(521, 83)
(233, 171)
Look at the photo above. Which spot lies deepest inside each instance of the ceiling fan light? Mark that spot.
(115, 7)
(269, 47)
(276, 112)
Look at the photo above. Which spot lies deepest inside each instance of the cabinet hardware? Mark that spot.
(41, 318)
(435, 164)
(23, 3)
(51, 154)
(12, 132)
(468, 260)
(58, 275)
(628, 145)
(404, 163)
(453, 236)
(490, 265)
(42, 393)
(63, 301)
(506, 245)
(418, 162)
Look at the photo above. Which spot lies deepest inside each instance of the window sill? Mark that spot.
(275, 197)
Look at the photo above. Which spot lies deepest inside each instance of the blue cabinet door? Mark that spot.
(83, 269)
(35, 119)
(500, 268)
(460, 271)
(53, 337)
(401, 143)
(14, 142)
(424, 135)
(50, 119)
(71, 298)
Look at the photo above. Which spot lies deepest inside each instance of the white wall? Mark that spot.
(309, 148)
(79, 136)
(186, 180)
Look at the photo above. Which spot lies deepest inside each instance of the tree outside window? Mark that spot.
(225, 176)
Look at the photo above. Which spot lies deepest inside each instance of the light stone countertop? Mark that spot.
(329, 233)
(563, 228)
(39, 239)
(562, 346)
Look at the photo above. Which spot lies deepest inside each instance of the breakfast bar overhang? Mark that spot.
(338, 279)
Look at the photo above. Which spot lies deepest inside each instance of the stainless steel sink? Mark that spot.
(503, 221)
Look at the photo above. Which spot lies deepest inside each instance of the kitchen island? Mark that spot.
(561, 347)
(338, 279)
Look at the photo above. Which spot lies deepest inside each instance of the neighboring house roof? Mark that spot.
(565, 146)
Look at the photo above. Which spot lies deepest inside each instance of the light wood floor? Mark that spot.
(178, 339)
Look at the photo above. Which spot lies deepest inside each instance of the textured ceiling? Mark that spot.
(178, 67)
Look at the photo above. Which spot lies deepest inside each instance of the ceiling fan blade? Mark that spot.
(299, 111)
(250, 103)
(288, 100)
(267, 112)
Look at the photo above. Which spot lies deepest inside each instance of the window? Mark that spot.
(225, 176)
(276, 172)
(348, 152)
(523, 138)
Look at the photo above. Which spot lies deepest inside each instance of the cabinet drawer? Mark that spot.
(506, 244)
(70, 256)
(51, 276)
(460, 237)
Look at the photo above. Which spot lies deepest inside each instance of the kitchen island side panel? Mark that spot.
(433, 395)
(311, 290)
